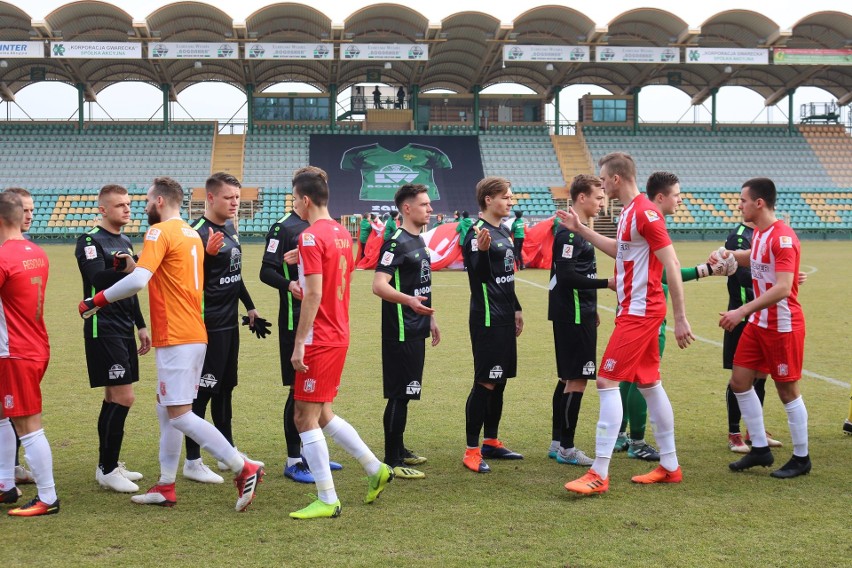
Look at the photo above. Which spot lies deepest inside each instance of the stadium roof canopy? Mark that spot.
(465, 49)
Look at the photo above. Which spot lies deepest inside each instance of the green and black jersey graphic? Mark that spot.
(383, 171)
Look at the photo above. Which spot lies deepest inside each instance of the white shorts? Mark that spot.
(179, 372)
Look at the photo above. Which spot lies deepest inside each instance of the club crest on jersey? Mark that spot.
(609, 365)
(652, 215)
(412, 388)
(91, 252)
(308, 240)
(509, 261)
(567, 251)
(387, 259)
(272, 246)
(783, 370)
(310, 385)
(208, 380)
(152, 235)
(116, 372)
(496, 372)
(474, 246)
(589, 368)
(236, 259)
(785, 242)
(425, 271)
(9, 402)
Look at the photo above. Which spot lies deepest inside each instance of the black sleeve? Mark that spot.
(245, 297)
(565, 273)
(271, 272)
(271, 276)
(477, 261)
(94, 269)
(138, 318)
(518, 307)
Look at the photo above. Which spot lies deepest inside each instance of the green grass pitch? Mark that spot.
(518, 515)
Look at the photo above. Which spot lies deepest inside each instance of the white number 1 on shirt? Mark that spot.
(194, 254)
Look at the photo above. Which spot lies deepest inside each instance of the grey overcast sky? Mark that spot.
(218, 101)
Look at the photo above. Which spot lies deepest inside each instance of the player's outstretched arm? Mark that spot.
(124, 288)
(683, 332)
(383, 289)
(571, 221)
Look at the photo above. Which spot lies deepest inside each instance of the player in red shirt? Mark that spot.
(773, 340)
(322, 339)
(641, 251)
(24, 355)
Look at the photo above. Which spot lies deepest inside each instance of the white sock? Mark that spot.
(37, 452)
(315, 449)
(7, 455)
(661, 416)
(210, 439)
(752, 413)
(554, 445)
(609, 422)
(293, 461)
(345, 436)
(171, 441)
(797, 418)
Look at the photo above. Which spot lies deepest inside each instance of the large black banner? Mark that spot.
(364, 172)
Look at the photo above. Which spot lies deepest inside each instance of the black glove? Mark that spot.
(261, 327)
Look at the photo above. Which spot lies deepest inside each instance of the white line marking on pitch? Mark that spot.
(715, 343)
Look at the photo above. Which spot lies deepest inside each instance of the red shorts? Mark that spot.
(20, 390)
(772, 352)
(321, 381)
(633, 352)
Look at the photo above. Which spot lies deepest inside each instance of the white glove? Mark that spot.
(722, 262)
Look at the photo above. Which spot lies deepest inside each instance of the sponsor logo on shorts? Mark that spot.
(310, 385)
(610, 364)
(496, 372)
(387, 259)
(162, 388)
(152, 235)
(589, 368)
(9, 401)
(116, 372)
(785, 242)
(91, 252)
(412, 388)
(208, 381)
(567, 251)
(783, 370)
(273, 245)
(308, 240)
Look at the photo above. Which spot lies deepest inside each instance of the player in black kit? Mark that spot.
(105, 256)
(495, 321)
(283, 275)
(223, 290)
(573, 309)
(403, 281)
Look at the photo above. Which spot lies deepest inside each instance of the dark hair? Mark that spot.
(311, 170)
(11, 209)
(408, 191)
(313, 185)
(660, 182)
(518, 213)
(169, 190)
(583, 183)
(465, 214)
(762, 188)
(216, 181)
(489, 187)
(19, 191)
(620, 164)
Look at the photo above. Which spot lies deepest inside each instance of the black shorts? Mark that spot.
(729, 345)
(220, 361)
(112, 361)
(576, 349)
(286, 344)
(402, 368)
(495, 353)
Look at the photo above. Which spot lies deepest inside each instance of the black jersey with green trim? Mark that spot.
(95, 251)
(740, 289)
(282, 237)
(406, 259)
(223, 279)
(491, 275)
(573, 294)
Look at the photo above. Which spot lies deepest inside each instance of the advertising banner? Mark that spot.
(384, 51)
(783, 56)
(294, 51)
(21, 49)
(169, 50)
(713, 55)
(95, 50)
(616, 54)
(551, 53)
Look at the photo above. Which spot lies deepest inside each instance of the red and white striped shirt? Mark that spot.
(772, 251)
(638, 272)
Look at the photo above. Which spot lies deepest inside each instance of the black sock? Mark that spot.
(734, 415)
(493, 412)
(760, 389)
(17, 445)
(102, 433)
(199, 408)
(572, 401)
(113, 435)
(291, 433)
(558, 418)
(474, 413)
(221, 411)
(395, 418)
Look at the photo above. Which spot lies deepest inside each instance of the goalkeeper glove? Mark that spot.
(261, 328)
(90, 306)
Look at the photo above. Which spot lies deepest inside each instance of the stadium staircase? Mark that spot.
(228, 154)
